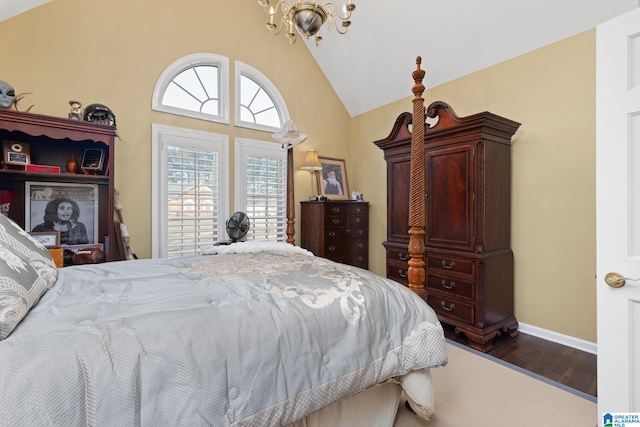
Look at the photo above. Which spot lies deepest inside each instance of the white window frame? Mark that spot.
(250, 147)
(197, 139)
(247, 70)
(189, 61)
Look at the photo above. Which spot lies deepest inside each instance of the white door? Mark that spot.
(618, 212)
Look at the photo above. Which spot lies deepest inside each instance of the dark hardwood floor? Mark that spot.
(565, 365)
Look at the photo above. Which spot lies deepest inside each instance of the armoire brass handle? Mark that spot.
(450, 266)
(451, 307)
(450, 286)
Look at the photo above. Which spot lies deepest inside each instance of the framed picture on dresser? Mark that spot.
(334, 178)
(70, 209)
(48, 239)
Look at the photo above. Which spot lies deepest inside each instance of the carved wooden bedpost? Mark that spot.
(291, 208)
(416, 273)
(289, 137)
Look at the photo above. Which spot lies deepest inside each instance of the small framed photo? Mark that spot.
(334, 178)
(15, 153)
(48, 239)
(92, 160)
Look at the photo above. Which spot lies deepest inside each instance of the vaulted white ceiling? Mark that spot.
(371, 65)
(9, 8)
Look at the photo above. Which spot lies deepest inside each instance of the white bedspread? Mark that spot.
(263, 337)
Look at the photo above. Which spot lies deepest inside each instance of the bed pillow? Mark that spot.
(26, 272)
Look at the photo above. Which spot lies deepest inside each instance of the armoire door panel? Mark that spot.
(398, 198)
(449, 197)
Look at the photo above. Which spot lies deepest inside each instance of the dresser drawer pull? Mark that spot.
(332, 248)
(451, 307)
(348, 230)
(336, 209)
(361, 232)
(450, 266)
(358, 210)
(332, 234)
(360, 258)
(450, 286)
(402, 274)
(403, 257)
(337, 221)
(357, 220)
(360, 245)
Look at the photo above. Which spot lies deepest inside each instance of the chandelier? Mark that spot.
(306, 17)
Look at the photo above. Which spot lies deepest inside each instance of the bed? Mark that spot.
(252, 333)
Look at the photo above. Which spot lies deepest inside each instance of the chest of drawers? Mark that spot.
(337, 230)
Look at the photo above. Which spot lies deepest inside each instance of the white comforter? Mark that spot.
(263, 337)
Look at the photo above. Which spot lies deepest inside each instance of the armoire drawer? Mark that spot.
(457, 286)
(398, 255)
(450, 265)
(451, 308)
(398, 273)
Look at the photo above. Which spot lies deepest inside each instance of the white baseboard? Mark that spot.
(577, 343)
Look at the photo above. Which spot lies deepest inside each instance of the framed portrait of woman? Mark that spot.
(70, 209)
(334, 183)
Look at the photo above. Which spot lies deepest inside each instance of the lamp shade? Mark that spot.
(311, 162)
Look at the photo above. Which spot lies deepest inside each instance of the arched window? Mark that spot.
(190, 188)
(259, 105)
(195, 86)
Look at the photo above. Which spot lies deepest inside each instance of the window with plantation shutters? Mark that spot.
(261, 187)
(191, 176)
(190, 190)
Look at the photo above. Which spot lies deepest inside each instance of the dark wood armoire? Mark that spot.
(468, 258)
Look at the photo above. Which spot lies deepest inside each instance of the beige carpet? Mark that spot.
(473, 391)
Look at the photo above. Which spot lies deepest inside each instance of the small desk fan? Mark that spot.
(237, 226)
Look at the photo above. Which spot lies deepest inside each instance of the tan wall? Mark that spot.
(71, 49)
(550, 91)
(113, 54)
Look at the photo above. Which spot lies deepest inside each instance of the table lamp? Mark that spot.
(312, 164)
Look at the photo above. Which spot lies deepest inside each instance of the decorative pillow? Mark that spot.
(27, 271)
